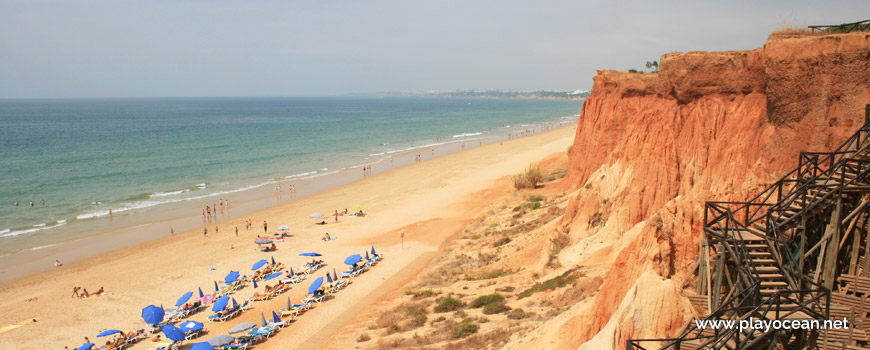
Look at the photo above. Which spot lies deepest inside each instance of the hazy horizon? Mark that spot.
(109, 49)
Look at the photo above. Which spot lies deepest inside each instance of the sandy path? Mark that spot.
(428, 201)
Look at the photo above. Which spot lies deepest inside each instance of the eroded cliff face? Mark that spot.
(651, 148)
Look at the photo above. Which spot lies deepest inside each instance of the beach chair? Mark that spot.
(317, 297)
(236, 346)
(216, 317)
(260, 296)
(265, 332)
(192, 334)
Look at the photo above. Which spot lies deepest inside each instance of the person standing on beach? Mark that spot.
(215, 228)
(171, 231)
(336, 215)
(237, 231)
(265, 227)
(205, 231)
(75, 292)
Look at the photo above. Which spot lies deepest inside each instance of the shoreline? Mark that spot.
(131, 229)
(429, 201)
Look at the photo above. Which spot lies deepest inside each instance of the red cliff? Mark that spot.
(651, 148)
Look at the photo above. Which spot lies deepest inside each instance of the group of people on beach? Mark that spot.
(290, 188)
(84, 292)
(212, 211)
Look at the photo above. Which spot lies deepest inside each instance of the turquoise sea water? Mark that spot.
(133, 155)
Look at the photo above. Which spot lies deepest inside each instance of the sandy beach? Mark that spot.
(428, 202)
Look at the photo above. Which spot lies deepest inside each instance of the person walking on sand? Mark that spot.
(205, 231)
(336, 215)
(216, 229)
(265, 227)
(237, 231)
(75, 293)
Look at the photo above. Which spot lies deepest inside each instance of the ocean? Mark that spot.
(84, 157)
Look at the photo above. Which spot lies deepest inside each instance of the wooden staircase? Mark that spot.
(778, 255)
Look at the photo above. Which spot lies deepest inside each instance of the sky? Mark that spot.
(178, 48)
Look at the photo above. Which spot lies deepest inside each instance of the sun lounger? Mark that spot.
(295, 279)
(263, 331)
(313, 297)
(236, 346)
(260, 296)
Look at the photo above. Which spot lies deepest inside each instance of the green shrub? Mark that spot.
(495, 308)
(419, 320)
(488, 274)
(536, 198)
(422, 293)
(449, 304)
(553, 283)
(464, 328)
(518, 314)
(528, 178)
(502, 241)
(484, 300)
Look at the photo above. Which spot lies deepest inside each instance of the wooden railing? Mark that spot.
(842, 28)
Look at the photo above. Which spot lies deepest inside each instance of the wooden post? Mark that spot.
(720, 269)
(802, 248)
(856, 246)
(830, 265)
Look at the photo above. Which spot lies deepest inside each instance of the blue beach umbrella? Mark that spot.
(216, 287)
(373, 251)
(291, 271)
(190, 326)
(328, 277)
(315, 285)
(231, 277)
(353, 259)
(235, 304)
(108, 332)
(283, 228)
(184, 298)
(310, 254)
(173, 332)
(152, 314)
(262, 320)
(221, 303)
(258, 264)
(273, 260)
(87, 346)
(275, 317)
(273, 275)
(200, 292)
(255, 284)
(316, 215)
(202, 346)
(367, 255)
(334, 275)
